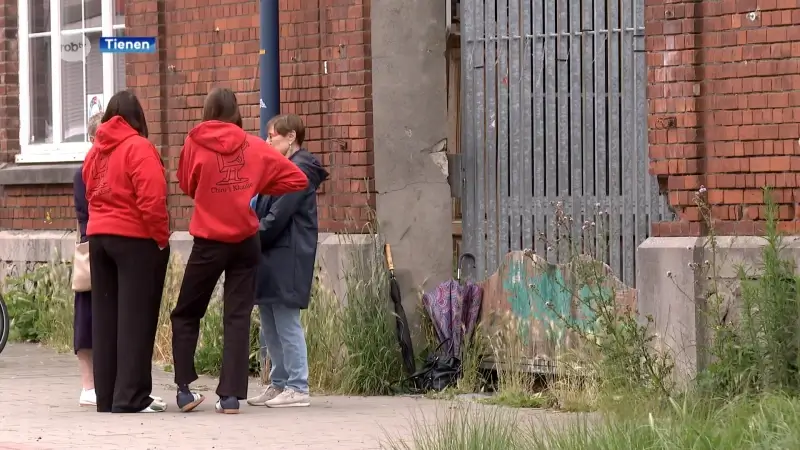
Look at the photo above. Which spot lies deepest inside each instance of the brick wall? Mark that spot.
(724, 103)
(326, 78)
(9, 86)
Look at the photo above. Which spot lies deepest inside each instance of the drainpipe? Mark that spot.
(269, 64)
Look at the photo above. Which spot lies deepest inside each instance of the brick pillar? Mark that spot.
(724, 107)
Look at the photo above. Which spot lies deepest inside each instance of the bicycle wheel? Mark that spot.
(5, 324)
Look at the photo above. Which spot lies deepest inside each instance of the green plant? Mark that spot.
(322, 322)
(40, 304)
(515, 387)
(616, 348)
(758, 351)
(473, 352)
(743, 423)
(463, 428)
(372, 361)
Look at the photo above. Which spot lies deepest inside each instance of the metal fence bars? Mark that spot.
(554, 130)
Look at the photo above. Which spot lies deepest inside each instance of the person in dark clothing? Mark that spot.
(288, 230)
(221, 168)
(128, 231)
(82, 317)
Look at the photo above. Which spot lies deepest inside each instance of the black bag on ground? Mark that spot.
(437, 373)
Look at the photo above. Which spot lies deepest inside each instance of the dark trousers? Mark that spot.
(127, 282)
(209, 259)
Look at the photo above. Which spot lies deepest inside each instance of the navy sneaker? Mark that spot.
(227, 405)
(188, 400)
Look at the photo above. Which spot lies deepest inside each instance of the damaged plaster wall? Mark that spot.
(410, 125)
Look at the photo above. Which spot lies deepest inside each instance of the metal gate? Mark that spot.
(555, 118)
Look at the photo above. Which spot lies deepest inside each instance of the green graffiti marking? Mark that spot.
(519, 296)
(545, 297)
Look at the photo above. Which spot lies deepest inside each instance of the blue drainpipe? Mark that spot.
(269, 64)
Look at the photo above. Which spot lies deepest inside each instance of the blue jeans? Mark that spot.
(284, 340)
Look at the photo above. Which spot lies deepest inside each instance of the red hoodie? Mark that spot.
(125, 185)
(222, 168)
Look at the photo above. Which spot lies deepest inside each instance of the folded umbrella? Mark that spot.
(402, 330)
(454, 309)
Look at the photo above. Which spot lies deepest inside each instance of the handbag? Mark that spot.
(81, 269)
(437, 373)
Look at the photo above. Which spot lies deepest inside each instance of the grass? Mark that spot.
(770, 421)
(463, 428)
(351, 345)
(747, 398)
(372, 356)
(326, 355)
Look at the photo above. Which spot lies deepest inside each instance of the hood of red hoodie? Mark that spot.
(112, 133)
(219, 137)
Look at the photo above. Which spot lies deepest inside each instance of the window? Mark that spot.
(63, 77)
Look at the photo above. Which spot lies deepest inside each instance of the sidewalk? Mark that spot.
(39, 402)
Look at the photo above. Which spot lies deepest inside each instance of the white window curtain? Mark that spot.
(63, 76)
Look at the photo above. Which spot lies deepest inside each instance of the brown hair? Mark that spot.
(221, 104)
(126, 105)
(284, 124)
(94, 123)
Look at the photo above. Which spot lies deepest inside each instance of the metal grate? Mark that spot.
(554, 110)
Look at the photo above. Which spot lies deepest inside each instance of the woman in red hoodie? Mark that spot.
(128, 232)
(222, 167)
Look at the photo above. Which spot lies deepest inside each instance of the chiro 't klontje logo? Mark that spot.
(75, 47)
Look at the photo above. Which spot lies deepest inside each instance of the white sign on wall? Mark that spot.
(94, 104)
(75, 47)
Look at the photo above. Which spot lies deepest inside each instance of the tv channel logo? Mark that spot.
(127, 44)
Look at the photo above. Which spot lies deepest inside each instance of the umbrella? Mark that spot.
(401, 321)
(454, 309)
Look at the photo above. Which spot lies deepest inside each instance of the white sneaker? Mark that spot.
(268, 394)
(155, 407)
(88, 398)
(289, 398)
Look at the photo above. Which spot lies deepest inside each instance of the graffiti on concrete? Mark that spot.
(541, 296)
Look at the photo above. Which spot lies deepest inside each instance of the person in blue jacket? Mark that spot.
(82, 318)
(288, 230)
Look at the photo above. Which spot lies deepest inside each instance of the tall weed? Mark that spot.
(322, 322)
(463, 428)
(351, 347)
(40, 305)
(372, 359)
(755, 346)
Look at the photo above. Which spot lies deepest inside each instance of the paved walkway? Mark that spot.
(38, 410)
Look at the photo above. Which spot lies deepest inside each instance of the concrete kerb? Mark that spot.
(673, 288)
(336, 253)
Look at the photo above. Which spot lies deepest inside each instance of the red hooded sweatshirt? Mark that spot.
(222, 167)
(125, 185)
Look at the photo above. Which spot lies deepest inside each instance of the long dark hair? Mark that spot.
(221, 104)
(126, 105)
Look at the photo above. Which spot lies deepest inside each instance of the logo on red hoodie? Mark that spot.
(231, 164)
(99, 171)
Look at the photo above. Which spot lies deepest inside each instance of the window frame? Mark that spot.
(56, 151)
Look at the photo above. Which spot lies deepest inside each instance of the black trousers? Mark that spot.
(209, 259)
(127, 282)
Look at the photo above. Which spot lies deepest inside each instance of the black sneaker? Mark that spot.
(227, 405)
(188, 400)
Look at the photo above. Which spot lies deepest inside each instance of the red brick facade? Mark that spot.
(724, 103)
(9, 83)
(325, 77)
